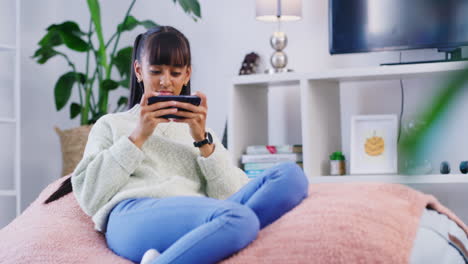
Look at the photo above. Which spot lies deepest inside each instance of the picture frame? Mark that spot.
(374, 144)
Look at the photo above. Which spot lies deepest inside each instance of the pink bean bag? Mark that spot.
(337, 223)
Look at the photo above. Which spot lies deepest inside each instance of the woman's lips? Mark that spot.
(165, 93)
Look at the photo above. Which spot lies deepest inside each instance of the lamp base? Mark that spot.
(273, 71)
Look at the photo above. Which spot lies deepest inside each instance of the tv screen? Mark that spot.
(376, 25)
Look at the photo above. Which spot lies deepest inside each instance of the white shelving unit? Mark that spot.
(320, 115)
(10, 197)
(402, 179)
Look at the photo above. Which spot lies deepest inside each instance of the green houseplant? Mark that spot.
(95, 81)
(94, 84)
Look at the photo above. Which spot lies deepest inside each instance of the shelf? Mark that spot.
(7, 47)
(7, 120)
(320, 113)
(265, 79)
(7, 193)
(403, 179)
(353, 74)
(386, 72)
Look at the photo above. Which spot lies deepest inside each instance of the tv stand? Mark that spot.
(451, 55)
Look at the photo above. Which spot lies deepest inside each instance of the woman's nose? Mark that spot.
(164, 80)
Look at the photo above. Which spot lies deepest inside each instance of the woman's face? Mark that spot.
(164, 79)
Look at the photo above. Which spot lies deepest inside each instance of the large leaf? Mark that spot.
(131, 22)
(109, 85)
(148, 24)
(191, 7)
(95, 11)
(75, 43)
(64, 86)
(70, 26)
(123, 61)
(75, 110)
(51, 39)
(123, 100)
(68, 33)
(125, 83)
(43, 54)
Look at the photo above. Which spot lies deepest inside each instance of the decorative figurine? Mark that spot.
(464, 167)
(250, 63)
(445, 168)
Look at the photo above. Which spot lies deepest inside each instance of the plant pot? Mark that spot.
(73, 142)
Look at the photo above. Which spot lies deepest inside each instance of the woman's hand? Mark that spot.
(150, 117)
(196, 119)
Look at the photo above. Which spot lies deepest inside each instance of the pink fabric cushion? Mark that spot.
(345, 223)
(337, 223)
(59, 232)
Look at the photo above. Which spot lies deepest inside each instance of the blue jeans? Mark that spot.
(201, 229)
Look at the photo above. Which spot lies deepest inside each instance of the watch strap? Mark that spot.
(208, 140)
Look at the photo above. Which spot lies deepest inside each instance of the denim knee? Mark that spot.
(294, 176)
(242, 223)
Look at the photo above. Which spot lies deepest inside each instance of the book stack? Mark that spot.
(259, 158)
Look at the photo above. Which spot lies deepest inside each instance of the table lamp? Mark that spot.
(278, 11)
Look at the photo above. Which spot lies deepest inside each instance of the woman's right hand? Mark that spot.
(150, 117)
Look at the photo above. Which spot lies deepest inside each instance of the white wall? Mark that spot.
(227, 31)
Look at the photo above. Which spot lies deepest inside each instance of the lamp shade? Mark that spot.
(274, 10)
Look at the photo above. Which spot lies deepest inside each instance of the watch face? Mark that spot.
(209, 137)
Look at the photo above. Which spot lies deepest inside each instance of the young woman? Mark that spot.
(169, 188)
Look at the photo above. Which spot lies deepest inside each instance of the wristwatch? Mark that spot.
(208, 140)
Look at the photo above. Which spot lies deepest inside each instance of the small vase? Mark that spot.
(337, 167)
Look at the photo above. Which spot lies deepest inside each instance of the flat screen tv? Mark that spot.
(377, 25)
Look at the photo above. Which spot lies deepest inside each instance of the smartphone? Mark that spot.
(192, 99)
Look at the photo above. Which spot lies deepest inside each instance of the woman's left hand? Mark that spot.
(196, 119)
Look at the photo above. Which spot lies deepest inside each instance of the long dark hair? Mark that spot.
(162, 45)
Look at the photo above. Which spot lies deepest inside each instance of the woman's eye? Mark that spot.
(176, 74)
(156, 72)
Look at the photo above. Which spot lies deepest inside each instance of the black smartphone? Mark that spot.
(192, 99)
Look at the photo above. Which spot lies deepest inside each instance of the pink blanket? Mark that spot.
(345, 223)
(337, 223)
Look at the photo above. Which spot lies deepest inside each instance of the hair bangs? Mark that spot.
(167, 49)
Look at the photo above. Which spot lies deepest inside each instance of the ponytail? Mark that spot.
(63, 190)
(136, 88)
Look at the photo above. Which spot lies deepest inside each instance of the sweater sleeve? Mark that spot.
(106, 167)
(222, 177)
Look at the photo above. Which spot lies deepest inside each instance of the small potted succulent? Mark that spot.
(337, 163)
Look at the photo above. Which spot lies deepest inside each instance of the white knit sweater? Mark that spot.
(114, 169)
